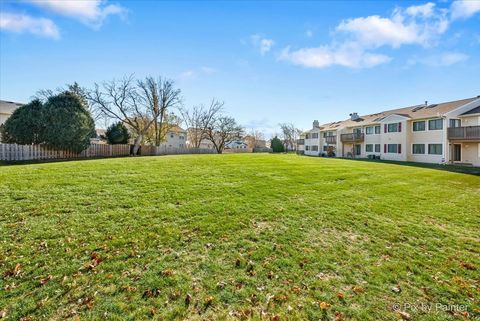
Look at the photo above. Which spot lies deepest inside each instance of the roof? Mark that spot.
(475, 110)
(8, 107)
(176, 129)
(413, 112)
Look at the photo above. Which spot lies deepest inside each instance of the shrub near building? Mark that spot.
(63, 122)
(117, 134)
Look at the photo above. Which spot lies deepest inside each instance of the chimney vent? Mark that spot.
(426, 103)
(354, 116)
(316, 124)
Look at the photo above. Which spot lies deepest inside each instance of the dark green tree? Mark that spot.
(69, 124)
(117, 134)
(25, 126)
(277, 145)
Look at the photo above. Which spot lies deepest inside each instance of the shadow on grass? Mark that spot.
(464, 169)
(59, 160)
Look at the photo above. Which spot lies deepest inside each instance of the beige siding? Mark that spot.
(471, 121)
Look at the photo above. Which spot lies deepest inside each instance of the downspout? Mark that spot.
(446, 150)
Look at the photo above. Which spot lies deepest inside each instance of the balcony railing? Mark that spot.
(352, 137)
(464, 133)
(300, 141)
(331, 139)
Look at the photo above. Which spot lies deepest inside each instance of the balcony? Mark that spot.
(464, 133)
(331, 139)
(300, 141)
(352, 137)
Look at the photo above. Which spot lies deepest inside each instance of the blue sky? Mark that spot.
(270, 61)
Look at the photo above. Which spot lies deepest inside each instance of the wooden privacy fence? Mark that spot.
(14, 152)
(237, 150)
(147, 150)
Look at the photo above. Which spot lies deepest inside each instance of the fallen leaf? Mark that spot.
(188, 299)
(44, 281)
(13, 271)
(357, 289)
(404, 315)
(168, 272)
(209, 301)
(468, 266)
(324, 305)
(340, 295)
(396, 289)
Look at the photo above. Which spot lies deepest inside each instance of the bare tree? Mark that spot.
(75, 88)
(162, 97)
(254, 139)
(289, 135)
(199, 119)
(286, 135)
(121, 100)
(223, 131)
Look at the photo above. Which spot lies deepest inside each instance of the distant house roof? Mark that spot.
(475, 110)
(413, 112)
(8, 107)
(176, 129)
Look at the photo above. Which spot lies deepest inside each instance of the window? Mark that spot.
(357, 130)
(394, 148)
(377, 130)
(315, 148)
(392, 128)
(324, 134)
(418, 149)
(435, 149)
(171, 135)
(369, 130)
(325, 148)
(369, 147)
(418, 126)
(377, 147)
(307, 147)
(315, 135)
(455, 123)
(435, 124)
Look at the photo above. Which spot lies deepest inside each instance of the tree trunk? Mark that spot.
(136, 145)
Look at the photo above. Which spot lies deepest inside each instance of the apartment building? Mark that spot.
(447, 132)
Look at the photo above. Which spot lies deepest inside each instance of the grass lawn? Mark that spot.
(246, 236)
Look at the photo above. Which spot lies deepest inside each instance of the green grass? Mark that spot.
(246, 236)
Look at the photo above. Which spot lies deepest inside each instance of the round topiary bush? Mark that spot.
(117, 134)
(69, 123)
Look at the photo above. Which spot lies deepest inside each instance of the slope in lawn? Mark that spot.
(237, 236)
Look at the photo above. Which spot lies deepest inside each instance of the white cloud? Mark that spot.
(89, 12)
(264, 45)
(425, 10)
(348, 55)
(442, 60)
(357, 39)
(196, 72)
(21, 23)
(187, 74)
(402, 28)
(462, 9)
